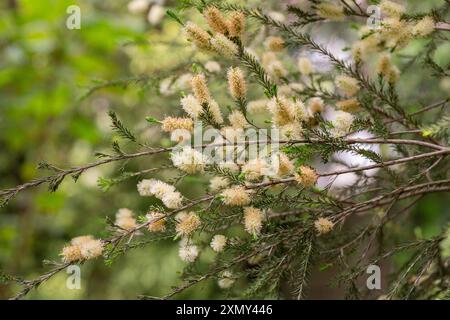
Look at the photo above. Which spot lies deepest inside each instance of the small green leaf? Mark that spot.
(174, 16)
(152, 120)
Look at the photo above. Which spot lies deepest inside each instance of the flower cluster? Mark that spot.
(167, 193)
(82, 248)
(125, 219)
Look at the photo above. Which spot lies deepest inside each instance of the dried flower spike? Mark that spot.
(236, 83)
(198, 36)
(236, 25)
(200, 88)
(216, 20)
(170, 124)
(224, 46)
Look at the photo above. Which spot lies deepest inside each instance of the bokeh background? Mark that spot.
(56, 87)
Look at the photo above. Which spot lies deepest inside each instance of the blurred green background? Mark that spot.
(45, 70)
(48, 113)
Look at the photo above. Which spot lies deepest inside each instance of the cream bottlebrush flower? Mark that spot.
(82, 248)
(212, 66)
(91, 249)
(349, 105)
(384, 65)
(284, 165)
(170, 124)
(78, 241)
(342, 123)
(224, 46)
(391, 9)
(276, 69)
(197, 35)
(275, 44)
(237, 120)
(229, 166)
(172, 200)
(226, 280)
(236, 196)
(254, 169)
(188, 252)
(218, 183)
(282, 110)
(359, 51)
(296, 86)
(144, 187)
(253, 218)
(424, 27)
(348, 85)
(218, 242)
(200, 88)
(284, 90)
(302, 113)
(71, 254)
(277, 16)
(159, 225)
(187, 224)
(191, 106)
(268, 57)
(257, 106)
(125, 219)
(236, 25)
(394, 75)
(216, 21)
(236, 83)
(159, 188)
(316, 105)
(323, 225)
(189, 160)
(214, 111)
(163, 191)
(330, 11)
(395, 33)
(291, 131)
(305, 66)
(306, 176)
(386, 69)
(183, 82)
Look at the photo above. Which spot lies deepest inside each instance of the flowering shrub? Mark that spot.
(340, 161)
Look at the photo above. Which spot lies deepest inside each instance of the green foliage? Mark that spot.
(48, 73)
